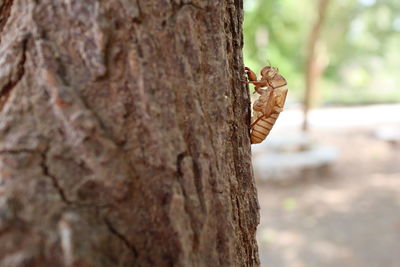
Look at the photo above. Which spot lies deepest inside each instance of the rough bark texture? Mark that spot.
(124, 134)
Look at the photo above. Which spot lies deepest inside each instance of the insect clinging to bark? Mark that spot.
(272, 88)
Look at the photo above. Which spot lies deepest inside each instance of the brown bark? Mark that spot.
(124, 136)
(314, 70)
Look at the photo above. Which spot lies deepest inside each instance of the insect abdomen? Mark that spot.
(261, 128)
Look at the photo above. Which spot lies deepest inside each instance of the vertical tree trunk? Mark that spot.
(124, 134)
(314, 69)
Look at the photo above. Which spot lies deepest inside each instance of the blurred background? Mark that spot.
(329, 173)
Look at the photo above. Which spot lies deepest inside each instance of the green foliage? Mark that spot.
(360, 39)
(273, 34)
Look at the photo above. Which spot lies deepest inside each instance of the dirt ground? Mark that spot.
(345, 215)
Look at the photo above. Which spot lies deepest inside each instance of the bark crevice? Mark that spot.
(5, 11)
(54, 179)
(17, 151)
(121, 237)
(5, 91)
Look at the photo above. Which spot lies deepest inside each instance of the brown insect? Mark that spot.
(272, 88)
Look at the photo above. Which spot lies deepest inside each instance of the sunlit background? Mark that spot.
(329, 186)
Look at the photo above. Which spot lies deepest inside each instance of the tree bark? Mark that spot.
(124, 134)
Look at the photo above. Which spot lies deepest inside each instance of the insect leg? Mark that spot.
(253, 82)
(250, 74)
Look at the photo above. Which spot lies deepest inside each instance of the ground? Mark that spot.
(345, 215)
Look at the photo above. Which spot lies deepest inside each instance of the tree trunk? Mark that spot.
(124, 136)
(314, 65)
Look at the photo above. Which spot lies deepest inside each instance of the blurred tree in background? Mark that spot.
(359, 43)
